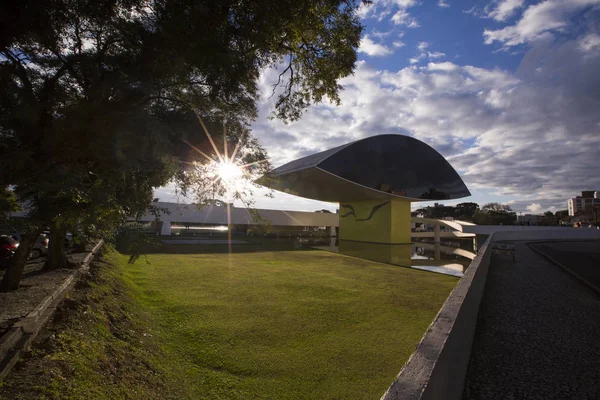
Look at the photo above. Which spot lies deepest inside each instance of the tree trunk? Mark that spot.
(13, 274)
(56, 257)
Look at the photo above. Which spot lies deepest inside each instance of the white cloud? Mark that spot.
(369, 47)
(383, 8)
(381, 34)
(530, 136)
(435, 54)
(442, 3)
(590, 42)
(535, 208)
(423, 54)
(473, 11)
(401, 17)
(404, 3)
(422, 46)
(538, 22)
(397, 44)
(503, 9)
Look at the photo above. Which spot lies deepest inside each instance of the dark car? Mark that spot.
(8, 246)
(40, 247)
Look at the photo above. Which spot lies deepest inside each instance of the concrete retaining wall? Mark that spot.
(19, 337)
(433, 371)
(438, 367)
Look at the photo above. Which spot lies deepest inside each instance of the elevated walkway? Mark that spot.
(437, 234)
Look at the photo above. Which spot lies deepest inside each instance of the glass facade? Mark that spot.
(375, 167)
(308, 161)
(399, 165)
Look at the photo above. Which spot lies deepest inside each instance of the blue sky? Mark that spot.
(452, 31)
(507, 90)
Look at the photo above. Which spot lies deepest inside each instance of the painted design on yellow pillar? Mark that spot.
(352, 212)
(375, 222)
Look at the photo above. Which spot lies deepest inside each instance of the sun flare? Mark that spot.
(229, 171)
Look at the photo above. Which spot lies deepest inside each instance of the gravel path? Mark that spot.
(35, 286)
(538, 334)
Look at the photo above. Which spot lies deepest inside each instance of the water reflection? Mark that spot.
(445, 258)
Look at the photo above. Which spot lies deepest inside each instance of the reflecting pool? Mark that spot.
(450, 258)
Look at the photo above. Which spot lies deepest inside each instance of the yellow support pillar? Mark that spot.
(377, 230)
(375, 221)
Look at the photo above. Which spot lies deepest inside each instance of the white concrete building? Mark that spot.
(587, 199)
(181, 215)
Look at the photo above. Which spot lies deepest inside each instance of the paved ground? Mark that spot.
(538, 333)
(582, 258)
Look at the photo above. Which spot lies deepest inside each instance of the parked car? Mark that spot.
(68, 239)
(40, 247)
(8, 246)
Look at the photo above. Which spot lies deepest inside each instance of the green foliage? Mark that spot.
(96, 93)
(134, 244)
(100, 345)
(496, 207)
(261, 229)
(462, 211)
(8, 203)
(562, 214)
(465, 211)
(93, 89)
(495, 214)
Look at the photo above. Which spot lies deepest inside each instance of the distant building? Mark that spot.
(529, 219)
(588, 199)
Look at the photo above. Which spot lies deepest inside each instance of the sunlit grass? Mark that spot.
(286, 324)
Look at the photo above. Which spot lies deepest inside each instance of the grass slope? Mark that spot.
(250, 325)
(287, 324)
(99, 345)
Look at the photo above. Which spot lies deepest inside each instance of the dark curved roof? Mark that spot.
(385, 166)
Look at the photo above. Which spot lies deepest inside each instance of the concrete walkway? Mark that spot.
(538, 333)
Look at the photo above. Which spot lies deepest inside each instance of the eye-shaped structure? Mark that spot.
(376, 168)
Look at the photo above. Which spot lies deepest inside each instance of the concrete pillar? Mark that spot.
(376, 230)
(166, 228)
(376, 221)
(332, 244)
(436, 236)
(332, 231)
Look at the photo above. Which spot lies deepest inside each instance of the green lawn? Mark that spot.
(283, 324)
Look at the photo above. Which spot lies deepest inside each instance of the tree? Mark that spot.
(495, 214)
(562, 214)
(496, 207)
(438, 211)
(8, 203)
(465, 211)
(93, 91)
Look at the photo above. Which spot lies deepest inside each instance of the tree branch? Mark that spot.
(288, 68)
(21, 72)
